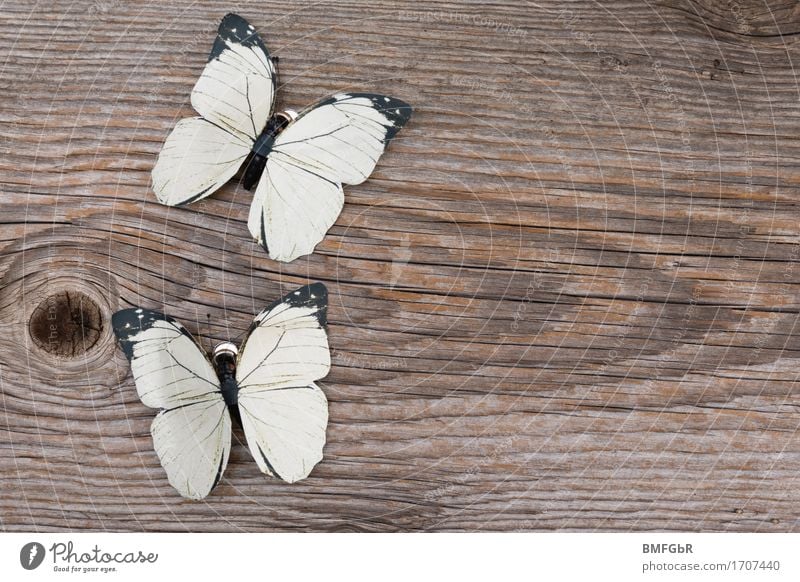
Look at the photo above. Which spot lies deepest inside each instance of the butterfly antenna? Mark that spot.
(208, 326)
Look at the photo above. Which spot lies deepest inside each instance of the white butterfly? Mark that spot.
(268, 386)
(299, 161)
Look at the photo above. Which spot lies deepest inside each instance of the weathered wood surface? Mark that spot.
(567, 299)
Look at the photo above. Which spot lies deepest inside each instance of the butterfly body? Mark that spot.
(224, 361)
(262, 146)
(298, 165)
(267, 386)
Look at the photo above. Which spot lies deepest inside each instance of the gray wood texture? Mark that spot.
(567, 299)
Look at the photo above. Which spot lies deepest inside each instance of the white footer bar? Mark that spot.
(402, 557)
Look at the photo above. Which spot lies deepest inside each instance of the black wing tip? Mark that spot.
(234, 28)
(397, 111)
(320, 291)
(127, 323)
(312, 295)
(122, 331)
(119, 317)
(231, 20)
(132, 314)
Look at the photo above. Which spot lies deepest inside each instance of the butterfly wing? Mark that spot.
(234, 95)
(192, 433)
(196, 160)
(237, 88)
(337, 141)
(284, 414)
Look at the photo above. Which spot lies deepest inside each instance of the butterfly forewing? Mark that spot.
(237, 88)
(192, 433)
(284, 414)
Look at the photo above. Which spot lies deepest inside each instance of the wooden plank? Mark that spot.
(566, 299)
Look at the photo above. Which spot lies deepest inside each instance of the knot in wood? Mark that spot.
(66, 324)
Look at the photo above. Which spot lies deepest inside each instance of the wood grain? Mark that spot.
(567, 299)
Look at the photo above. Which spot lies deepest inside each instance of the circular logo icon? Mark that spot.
(31, 555)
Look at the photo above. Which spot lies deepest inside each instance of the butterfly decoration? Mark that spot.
(267, 386)
(299, 161)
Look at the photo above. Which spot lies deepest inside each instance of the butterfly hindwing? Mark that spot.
(234, 95)
(198, 157)
(337, 141)
(285, 429)
(192, 433)
(284, 414)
